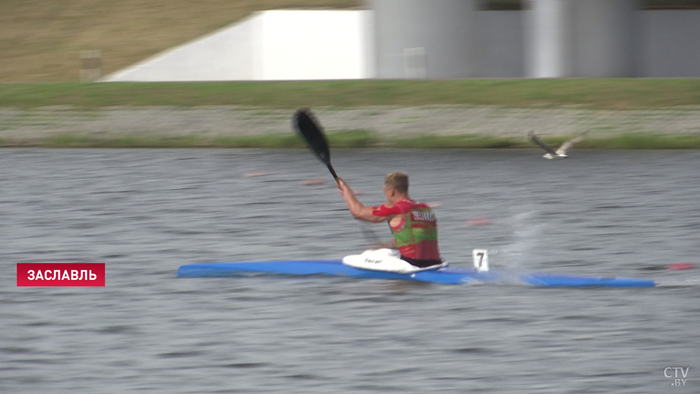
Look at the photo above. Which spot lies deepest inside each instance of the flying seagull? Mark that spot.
(559, 153)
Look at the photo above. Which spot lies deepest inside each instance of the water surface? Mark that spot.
(146, 212)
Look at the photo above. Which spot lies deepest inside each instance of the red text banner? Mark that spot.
(60, 274)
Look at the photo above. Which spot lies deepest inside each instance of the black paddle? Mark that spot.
(305, 123)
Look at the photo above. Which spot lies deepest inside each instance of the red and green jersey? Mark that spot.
(416, 233)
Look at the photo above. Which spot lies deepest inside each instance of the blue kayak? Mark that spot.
(448, 275)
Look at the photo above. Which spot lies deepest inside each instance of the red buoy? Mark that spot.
(681, 266)
(255, 173)
(479, 221)
(312, 182)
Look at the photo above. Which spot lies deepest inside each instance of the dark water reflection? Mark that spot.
(146, 212)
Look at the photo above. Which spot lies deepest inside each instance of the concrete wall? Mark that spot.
(590, 39)
(315, 45)
(440, 39)
(425, 39)
(581, 38)
(270, 45)
(602, 39)
(670, 43)
(500, 44)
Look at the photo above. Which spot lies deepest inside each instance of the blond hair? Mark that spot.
(397, 180)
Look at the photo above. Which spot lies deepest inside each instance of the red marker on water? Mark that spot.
(479, 221)
(681, 266)
(312, 182)
(255, 173)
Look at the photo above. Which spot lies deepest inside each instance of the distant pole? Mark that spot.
(90, 66)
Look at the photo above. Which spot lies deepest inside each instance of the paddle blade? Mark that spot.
(309, 129)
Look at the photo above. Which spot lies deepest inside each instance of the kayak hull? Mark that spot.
(448, 275)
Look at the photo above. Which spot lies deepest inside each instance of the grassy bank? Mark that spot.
(611, 94)
(593, 94)
(353, 140)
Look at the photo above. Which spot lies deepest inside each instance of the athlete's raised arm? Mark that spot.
(357, 209)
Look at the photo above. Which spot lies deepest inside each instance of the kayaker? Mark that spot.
(413, 224)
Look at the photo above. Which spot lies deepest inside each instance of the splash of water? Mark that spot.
(525, 230)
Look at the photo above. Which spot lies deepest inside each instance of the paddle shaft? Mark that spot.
(330, 168)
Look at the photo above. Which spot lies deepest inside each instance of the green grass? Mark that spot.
(612, 94)
(354, 139)
(477, 141)
(343, 139)
(645, 141)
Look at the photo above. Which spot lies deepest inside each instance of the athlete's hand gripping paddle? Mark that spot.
(305, 123)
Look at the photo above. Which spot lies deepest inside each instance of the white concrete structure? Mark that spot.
(270, 45)
(440, 39)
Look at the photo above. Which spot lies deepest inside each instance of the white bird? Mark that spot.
(559, 153)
